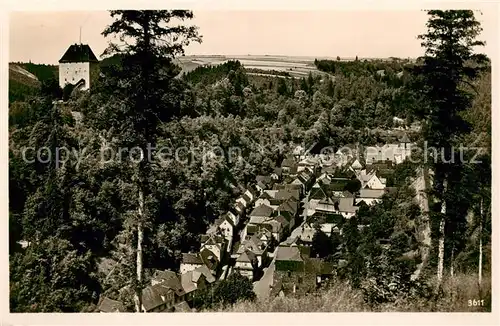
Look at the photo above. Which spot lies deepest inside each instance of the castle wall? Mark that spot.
(72, 72)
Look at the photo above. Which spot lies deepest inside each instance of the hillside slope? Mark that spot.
(341, 297)
(22, 83)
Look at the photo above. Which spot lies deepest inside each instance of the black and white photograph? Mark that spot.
(241, 161)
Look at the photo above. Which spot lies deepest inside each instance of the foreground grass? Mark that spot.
(341, 297)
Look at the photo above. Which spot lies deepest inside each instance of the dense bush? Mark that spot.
(225, 293)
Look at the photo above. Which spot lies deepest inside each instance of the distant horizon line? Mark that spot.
(250, 55)
(333, 57)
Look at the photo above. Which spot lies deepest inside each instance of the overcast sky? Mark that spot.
(43, 37)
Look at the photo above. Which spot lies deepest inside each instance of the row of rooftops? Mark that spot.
(289, 195)
(284, 197)
(164, 284)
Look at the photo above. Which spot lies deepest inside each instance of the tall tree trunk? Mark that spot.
(440, 266)
(452, 271)
(480, 242)
(424, 228)
(140, 235)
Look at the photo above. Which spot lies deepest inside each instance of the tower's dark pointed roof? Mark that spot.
(79, 53)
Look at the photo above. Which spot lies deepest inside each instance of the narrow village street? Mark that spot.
(262, 287)
(298, 230)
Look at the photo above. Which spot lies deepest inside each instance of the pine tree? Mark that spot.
(310, 84)
(449, 42)
(145, 87)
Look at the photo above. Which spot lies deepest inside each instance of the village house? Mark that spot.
(395, 153)
(327, 222)
(245, 200)
(303, 180)
(327, 205)
(195, 280)
(170, 280)
(356, 164)
(210, 260)
(234, 217)
(256, 245)
(287, 164)
(265, 199)
(275, 227)
(370, 180)
(289, 258)
(318, 192)
(190, 261)
(286, 224)
(264, 236)
(379, 166)
(226, 225)
(290, 187)
(345, 154)
(297, 273)
(405, 141)
(250, 193)
(239, 208)
(108, 305)
(264, 182)
(292, 173)
(260, 214)
(333, 186)
(298, 151)
(338, 205)
(246, 264)
(289, 268)
(277, 174)
(247, 197)
(337, 187)
(370, 196)
(157, 298)
(270, 223)
(323, 178)
(289, 210)
(215, 243)
(182, 307)
(346, 207)
(311, 162)
(306, 235)
(274, 198)
(283, 195)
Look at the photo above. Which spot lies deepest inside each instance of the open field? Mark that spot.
(295, 66)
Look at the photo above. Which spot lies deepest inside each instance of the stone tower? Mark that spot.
(77, 66)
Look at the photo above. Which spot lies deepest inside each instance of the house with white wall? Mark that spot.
(245, 264)
(370, 196)
(226, 226)
(190, 261)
